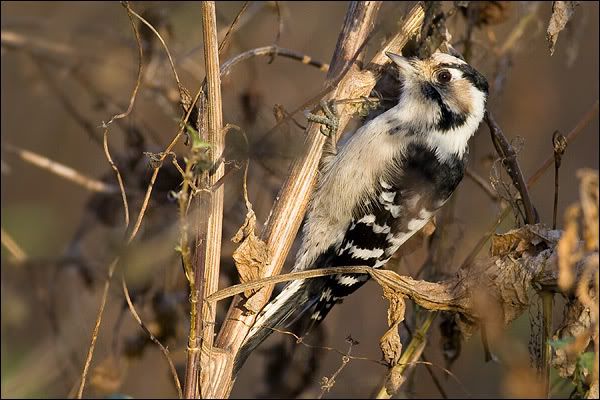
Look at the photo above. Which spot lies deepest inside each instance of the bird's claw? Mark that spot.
(329, 120)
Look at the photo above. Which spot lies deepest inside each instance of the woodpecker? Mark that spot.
(381, 187)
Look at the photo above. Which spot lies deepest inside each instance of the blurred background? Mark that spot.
(69, 66)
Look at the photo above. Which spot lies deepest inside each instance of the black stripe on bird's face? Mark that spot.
(448, 119)
(470, 74)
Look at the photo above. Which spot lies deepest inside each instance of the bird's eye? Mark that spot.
(444, 76)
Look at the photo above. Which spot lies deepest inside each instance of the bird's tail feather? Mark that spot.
(293, 302)
(317, 295)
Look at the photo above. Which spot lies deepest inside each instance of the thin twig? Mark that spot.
(232, 27)
(268, 51)
(141, 213)
(557, 158)
(328, 382)
(507, 153)
(13, 248)
(434, 378)
(139, 72)
(162, 41)
(583, 122)
(114, 264)
(272, 280)
(67, 101)
(151, 336)
(482, 183)
(52, 51)
(301, 341)
(161, 159)
(279, 27)
(118, 175)
(61, 170)
(519, 30)
(90, 354)
(559, 143)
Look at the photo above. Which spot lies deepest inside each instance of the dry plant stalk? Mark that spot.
(289, 210)
(208, 243)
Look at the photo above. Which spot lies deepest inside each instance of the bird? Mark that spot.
(381, 187)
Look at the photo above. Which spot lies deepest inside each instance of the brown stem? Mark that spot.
(208, 240)
(583, 122)
(216, 140)
(547, 311)
(482, 183)
(412, 354)
(507, 152)
(559, 143)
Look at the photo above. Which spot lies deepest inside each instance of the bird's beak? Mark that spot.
(402, 62)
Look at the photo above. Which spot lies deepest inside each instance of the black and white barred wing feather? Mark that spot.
(402, 204)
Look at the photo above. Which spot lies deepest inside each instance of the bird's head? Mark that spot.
(442, 92)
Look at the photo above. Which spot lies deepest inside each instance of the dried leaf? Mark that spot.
(568, 248)
(390, 343)
(571, 338)
(251, 257)
(521, 240)
(562, 11)
(588, 192)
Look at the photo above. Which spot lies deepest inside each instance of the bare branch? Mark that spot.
(13, 248)
(583, 122)
(61, 170)
(164, 350)
(508, 154)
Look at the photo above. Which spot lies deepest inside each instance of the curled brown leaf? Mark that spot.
(521, 240)
(252, 255)
(390, 343)
(562, 11)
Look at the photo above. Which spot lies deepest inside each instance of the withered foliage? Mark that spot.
(485, 294)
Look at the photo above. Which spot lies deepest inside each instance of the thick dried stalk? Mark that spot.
(293, 199)
(208, 243)
(216, 138)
